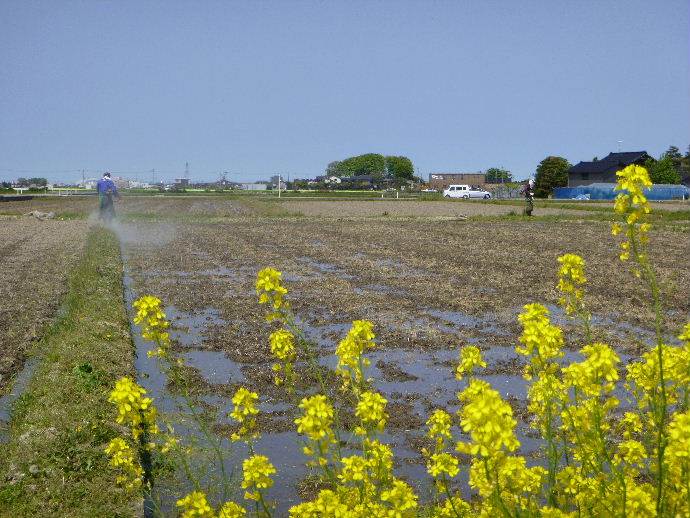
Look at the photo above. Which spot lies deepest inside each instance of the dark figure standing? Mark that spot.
(107, 192)
(528, 191)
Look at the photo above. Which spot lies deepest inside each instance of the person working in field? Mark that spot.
(107, 192)
(528, 191)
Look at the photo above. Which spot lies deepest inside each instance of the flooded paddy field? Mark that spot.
(429, 287)
(429, 281)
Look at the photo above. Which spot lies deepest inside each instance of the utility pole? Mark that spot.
(186, 170)
(279, 182)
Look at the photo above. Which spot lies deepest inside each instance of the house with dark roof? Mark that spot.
(604, 170)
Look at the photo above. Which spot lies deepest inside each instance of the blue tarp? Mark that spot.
(605, 191)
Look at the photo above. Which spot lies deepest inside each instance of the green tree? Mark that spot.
(551, 172)
(662, 170)
(371, 163)
(498, 175)
(400, 167)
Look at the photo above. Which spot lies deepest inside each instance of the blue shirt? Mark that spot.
(106, 185)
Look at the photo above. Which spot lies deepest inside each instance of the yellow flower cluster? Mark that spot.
(597, 374)
(196, 505)
(283, 348)
(678, 461)
(371, 410)
(401, 499)
(632, 204)
(355, 469)
(505, 482)
(134, 410)
(124, 459)
(439, 426)
(151, 317)
(244, 402)
(470, 358)
(270, 289)
(257, 471)
(443, 464)
(351, 363)
(397, 502)
(571, 276)
(316, 423)
(231, 510)
(541, 340)
(380, 457)
(317, 418)
(488, 419)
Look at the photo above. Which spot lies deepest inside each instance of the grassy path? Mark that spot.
(54, 464)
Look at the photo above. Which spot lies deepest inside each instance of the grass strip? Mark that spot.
(54, 463)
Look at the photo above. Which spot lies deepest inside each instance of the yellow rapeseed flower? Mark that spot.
(633, 206)
(541, 340)
(231, 510)
(470, 358)
(154, 324)
(597, 374)
(442, 464)
(124, 458)
(244, 402)
(354, 469)
(371, 409)
(317, 417)
(134, 410)
(571, 277)
(257, 471)
(488, 419)
(401, 498)
(270, 289)
(351, 363)
(195, 505)
(439, 425)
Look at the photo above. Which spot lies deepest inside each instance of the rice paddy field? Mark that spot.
(432, 276)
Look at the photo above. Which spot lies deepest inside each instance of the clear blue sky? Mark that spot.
(261, 87)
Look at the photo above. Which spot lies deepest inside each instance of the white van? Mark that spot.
(464, 191)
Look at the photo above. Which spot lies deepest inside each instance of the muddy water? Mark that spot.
(420, 380)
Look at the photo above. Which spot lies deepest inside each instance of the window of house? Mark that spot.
(585, 176)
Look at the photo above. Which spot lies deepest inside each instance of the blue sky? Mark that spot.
(261, 87)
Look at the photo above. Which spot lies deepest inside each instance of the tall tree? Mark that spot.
(663, 170)
(400, 167)
(498, 175)
(551, 172)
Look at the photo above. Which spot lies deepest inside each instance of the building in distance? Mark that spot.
(604, 170)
